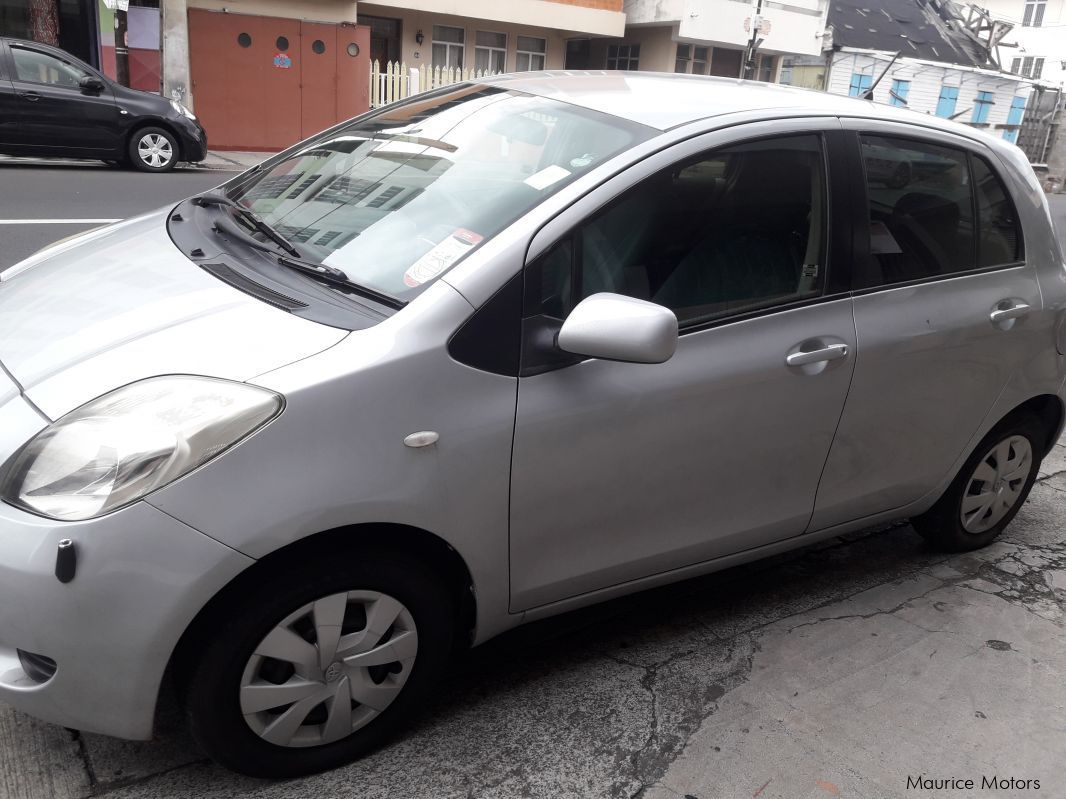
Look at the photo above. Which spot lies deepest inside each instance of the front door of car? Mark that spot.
(946, 311)
(9, 118)
(621, 471)
(56, 114)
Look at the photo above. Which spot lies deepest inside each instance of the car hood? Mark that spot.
(122, 304)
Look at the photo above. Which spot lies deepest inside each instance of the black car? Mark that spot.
(52, 104)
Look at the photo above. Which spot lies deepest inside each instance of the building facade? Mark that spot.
(1035, 47)
(69, 24)
(708, 37)
(263, 74)
(926, 57)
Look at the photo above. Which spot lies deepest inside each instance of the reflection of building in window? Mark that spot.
(344, 190)
(272, 188)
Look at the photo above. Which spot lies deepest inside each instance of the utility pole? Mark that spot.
(122, 50)
(748, 71)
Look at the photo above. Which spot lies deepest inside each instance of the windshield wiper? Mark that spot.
(294, 258)
(251, 217)
(330, 274)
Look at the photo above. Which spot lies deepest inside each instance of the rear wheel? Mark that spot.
(153, 150)
(319, 665)
(990, 488)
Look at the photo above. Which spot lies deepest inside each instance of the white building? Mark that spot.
(942, 68)
(708, 37)
(1038, 33)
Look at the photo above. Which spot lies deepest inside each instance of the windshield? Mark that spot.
(397, 199)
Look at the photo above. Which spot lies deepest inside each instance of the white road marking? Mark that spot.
(58, 221)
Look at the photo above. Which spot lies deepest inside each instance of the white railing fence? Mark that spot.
(393, 81)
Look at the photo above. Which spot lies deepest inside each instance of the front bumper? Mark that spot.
(193, 139)
(141, 578)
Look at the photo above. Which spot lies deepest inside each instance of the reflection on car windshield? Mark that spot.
(397, 199)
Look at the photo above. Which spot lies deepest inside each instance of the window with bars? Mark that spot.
(1029, 66)
(691, 60)
(1033, 17)
(448, 46)
(531, 53)
(490, 51)
(623, 56)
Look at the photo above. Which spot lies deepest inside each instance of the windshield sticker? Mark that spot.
(547, 176)
(881, 240)
(440, 258)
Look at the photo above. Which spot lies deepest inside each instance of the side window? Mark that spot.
(1000, 238)
(921, 210)
(729, 232)
(34, 67)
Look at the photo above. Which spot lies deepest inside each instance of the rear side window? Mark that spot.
(934, 211)
(999, 239)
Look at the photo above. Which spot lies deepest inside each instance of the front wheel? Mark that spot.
(153, 150)
(989, 490)
(319, 665)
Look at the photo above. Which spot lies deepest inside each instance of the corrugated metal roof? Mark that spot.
(929, 29)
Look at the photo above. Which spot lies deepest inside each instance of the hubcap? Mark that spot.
(996, 484)
(328, 669)
(155, 150)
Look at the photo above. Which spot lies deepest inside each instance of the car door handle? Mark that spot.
(831, 353)
(1016, 311)
(33, 97)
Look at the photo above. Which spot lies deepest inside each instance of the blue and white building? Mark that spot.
(943, 68)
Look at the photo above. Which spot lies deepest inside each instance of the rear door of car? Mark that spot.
(944, 301)
(56, 115)
(9, 117)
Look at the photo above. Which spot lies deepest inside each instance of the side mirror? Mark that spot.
(91, 84)
(618, 328)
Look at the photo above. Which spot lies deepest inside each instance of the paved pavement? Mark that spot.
(42, 201)
(841, 670)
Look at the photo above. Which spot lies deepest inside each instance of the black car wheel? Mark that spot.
(990, 488)
(153, 150)
(320, 663)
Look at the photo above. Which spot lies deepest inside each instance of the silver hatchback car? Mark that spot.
(487, 355)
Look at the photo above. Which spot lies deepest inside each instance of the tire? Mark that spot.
(982, 500)
(153, 150)
(232, 673)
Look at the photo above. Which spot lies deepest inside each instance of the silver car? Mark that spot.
(488, 355)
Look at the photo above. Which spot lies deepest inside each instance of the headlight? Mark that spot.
(185, 112)
(126, 444)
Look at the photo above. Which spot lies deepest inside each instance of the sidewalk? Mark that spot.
(230, 161)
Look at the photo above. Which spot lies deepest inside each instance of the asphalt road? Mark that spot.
(38, 199)
(839, 671)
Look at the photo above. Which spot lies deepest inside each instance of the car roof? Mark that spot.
(665, 100)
